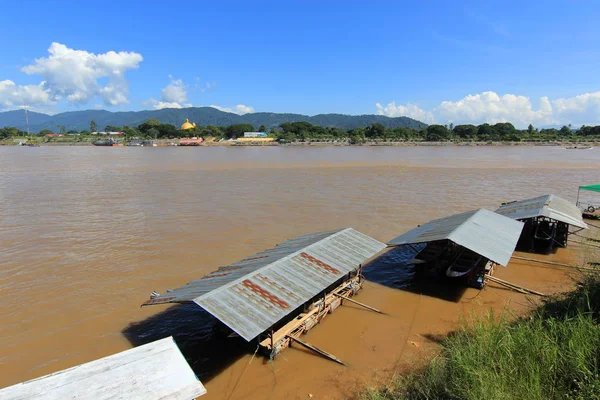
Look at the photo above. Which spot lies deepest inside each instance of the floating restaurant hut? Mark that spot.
(463, 246)
(155, 370)
(277, 295)
(547, 220)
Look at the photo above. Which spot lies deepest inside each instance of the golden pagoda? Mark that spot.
(187, 125)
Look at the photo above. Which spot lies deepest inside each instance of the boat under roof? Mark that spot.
(484, 232)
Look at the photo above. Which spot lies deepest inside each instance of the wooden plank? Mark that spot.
(360, 304)
(556, 264)
(288, 328)
(544, 262)
(317, 350)
(513, 286)
(155, 370)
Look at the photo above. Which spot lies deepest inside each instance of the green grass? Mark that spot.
(552, 354)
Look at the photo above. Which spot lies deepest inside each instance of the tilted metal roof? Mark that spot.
(549, 206)
(486, 233)
(251, 295)
(156, 370)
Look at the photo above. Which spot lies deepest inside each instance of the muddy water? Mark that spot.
(87, 233)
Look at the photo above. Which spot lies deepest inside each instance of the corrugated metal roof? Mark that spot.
(253, 294)
(486, 233)
(155, 370)
(549, 206)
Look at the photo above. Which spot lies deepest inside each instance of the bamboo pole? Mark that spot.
(586, 244)
(544, 262)
(513, 286)
(360, 304)
(317, 350)
(557, 264)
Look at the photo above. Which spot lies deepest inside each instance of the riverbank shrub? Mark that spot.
(552, 354)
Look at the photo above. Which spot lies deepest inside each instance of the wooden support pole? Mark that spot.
(586, 244)
(544, 262)
(557, 264)
(317, 350)
(518, 288)
(360, 304)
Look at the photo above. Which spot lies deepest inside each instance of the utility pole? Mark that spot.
(27, 121)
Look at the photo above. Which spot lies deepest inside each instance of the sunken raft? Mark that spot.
(463, 247)
(277, 295)
(155, 370)
(547, 220)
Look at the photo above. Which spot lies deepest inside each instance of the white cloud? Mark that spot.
(12, 94)
(240, 109)
(174, 95)
(582, 109)
(205, 87)
(159, 105)
(492, 108)
(75, 74)
(409, 110)
(174, 92)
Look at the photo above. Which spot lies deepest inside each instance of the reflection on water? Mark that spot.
(87, 233)
(393, 268)
(205, 350)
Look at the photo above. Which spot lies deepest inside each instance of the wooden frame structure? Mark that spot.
(543, 235)
(315, 312)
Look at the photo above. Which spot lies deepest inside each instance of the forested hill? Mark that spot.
(202, 116)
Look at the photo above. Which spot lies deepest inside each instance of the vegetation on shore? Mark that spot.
(552, 354)
(304, 131)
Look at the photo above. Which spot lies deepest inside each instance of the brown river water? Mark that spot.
(87, 233)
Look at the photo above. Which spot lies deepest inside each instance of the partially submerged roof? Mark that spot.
(155, 370)
(484, 232)
(549, 206)
(253, 294)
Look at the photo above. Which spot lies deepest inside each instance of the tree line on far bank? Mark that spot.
(305, 131)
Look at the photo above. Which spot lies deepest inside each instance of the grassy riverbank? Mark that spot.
(552, 354)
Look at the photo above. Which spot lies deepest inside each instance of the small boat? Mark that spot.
(463, 264)
(579, 147)
(107, 142)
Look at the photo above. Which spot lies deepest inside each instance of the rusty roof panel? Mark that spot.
(251, 295)
(549, 206)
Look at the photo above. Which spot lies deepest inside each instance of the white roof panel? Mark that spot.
(549, 206)
(155, 370)
(486, 233)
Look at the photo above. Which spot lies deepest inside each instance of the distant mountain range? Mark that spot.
(80, 120)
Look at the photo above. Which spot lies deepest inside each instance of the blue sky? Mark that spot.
(438, 61)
